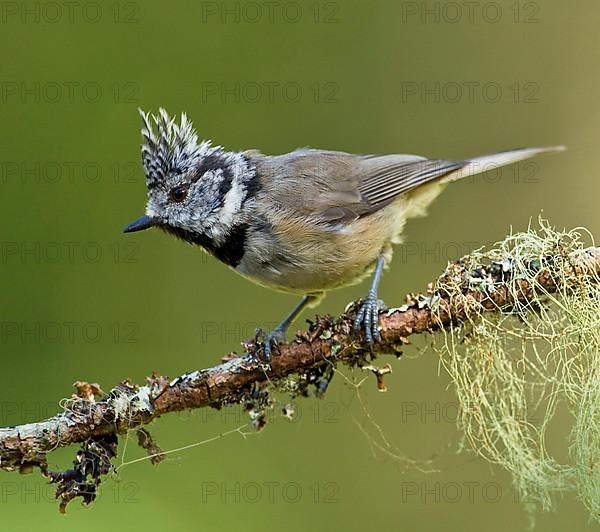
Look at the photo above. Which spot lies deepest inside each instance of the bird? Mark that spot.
(304, 222)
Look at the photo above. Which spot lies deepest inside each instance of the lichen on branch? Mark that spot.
(533, 288)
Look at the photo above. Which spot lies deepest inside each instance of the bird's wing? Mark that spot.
(385, 177)
(334, 187)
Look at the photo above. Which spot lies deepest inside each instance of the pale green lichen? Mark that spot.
(518, 372)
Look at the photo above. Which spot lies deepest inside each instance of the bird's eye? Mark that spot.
(178, 194)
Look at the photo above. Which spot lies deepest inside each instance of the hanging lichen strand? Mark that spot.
(519, 372)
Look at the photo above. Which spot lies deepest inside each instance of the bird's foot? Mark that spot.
(367, 318)
(270, 342)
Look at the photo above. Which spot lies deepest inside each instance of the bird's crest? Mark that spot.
(171, 149)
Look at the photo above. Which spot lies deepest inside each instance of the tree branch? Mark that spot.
(95, 423)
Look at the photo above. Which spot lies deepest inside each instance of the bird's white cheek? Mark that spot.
(232, 203)
(221, 221)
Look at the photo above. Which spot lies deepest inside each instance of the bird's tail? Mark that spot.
(485, 163)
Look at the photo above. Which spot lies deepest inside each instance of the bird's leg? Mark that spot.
(368, 314)
(278, 334)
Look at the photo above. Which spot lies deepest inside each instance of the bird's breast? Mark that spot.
(300, 257)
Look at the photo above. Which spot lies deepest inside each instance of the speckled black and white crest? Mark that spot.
(172, 148)
(215, 188)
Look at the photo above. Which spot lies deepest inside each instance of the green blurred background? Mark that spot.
(82, 301)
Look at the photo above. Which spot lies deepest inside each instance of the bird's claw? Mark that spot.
(367, 318)
(270, 341)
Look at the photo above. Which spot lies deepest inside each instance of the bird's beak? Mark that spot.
(140, 224)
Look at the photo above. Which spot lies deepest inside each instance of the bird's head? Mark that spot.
(191, 185)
